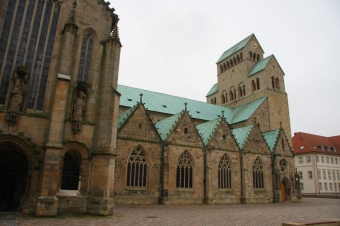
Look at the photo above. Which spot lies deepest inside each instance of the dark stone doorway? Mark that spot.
(13, 179)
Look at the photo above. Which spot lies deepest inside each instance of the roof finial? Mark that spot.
(141, 98)
(72, 16)
(222, 114)
(185, 105)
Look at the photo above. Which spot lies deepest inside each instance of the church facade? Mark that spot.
(74, 141)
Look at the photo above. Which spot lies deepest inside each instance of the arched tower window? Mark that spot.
(240, 92)
(241, 56)
(254, 57)
(244, 90)
(184, 171)
(251, 55)
(234, 59)
(85, 58)
(136, 169)
(238, 59)
(258, 174)
(224, 173)
(257, 83)
(224, 67)
(273, 82)
(253, 85)
(234, 93)
(258, 57)
(223, 98)
(221, 68)
(277, 85)
(71, 168)
(228, 66)
(231, 63)
(214, 100)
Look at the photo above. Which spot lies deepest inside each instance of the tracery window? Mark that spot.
(283, 165)
(224, 173)
(136, 169)
(258, 174)
(85, 58)
(71, 168)
(184, 171)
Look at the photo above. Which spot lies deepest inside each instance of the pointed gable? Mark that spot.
(271, 138)
(136, 124)
(262, 65)
(206, 130)
(180, 130)
(241, 134)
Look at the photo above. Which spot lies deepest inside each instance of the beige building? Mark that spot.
(317, 160)
(74, 141)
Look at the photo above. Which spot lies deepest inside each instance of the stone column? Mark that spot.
(100, 199)
(48, 202)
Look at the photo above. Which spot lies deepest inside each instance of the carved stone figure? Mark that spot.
(79, 107)
(17, 93)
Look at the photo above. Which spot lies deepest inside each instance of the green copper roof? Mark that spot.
(271, 137)
(241, 134)
(213, 90)
(125, 115)
(206, 130)
(234, 49)
(244, 111)
(168, 104)
(261, 65)
(165, 126)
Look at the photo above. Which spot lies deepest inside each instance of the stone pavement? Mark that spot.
(237, 214)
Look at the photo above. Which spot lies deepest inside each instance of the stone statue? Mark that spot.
(17, 93)
(79, 107)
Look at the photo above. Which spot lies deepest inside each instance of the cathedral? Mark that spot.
(73, 140)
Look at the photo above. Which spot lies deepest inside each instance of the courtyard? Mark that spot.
(238, 214)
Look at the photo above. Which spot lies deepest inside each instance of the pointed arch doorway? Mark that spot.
(285, 188)
(13, 178)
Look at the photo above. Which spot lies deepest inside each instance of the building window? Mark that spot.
(70, 177)
(331, 186)
(326, 187)
(320, 186)
(300, 159)
(332, 161)
(258, 174)
(335, 187)
(310, 175)
(300, 175)
(322, 159)
(308, 159)
(224, 173)
(184, 171)
(324, 175)
(136, 169)
(85, 58)
(334, 178)
(257, 83)
(338, 175)
(186, 130)
(283, 165)
(327, 160)
(317, 159)
(319, 174)
(329, 175)
(336, 160)
(301, 186)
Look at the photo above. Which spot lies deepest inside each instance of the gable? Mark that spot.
(256, 143)
(282, 145)
(185, 133)
(138, 126)
(222, 138)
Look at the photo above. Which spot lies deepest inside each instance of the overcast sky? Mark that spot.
(171, 46)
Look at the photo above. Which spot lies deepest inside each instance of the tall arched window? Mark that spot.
(184, 171)
(241, 56)
(258, 57)
(136, 169)
(253, 85)
(277, 84)
(251, 55)
(85, 58)
(254, 57)
(223, 98)
(257, 83)
(228, 66)
(224, 173)
(238, 59)
(221, 68)
(71, 168)
(231, 63)
(258, 174)
(240, 92)
(273, 82)
(244, 90)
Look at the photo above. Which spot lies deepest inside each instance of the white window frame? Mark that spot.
(308, 159)
(300, 159)
(310, 175)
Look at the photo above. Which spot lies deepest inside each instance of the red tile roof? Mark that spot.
(305, 142)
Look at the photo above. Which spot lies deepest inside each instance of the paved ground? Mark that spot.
(240, 214)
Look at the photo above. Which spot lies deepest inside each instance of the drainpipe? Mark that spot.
(161, 187)
(205, 175)
(241, 173)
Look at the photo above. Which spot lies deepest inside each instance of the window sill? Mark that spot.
(259, 189)
(68, 193)
(225, 190)
(185, 189)
(136, 189)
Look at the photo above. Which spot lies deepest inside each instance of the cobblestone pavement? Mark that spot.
(238, 214)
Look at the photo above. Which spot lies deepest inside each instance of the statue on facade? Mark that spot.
(79, 107)
(17, 93)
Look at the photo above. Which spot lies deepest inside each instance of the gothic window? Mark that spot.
(258, 174)
(85, 58)
(136, 169)
(224, 173)
(283, 165)
(184, 171)
(71, 168)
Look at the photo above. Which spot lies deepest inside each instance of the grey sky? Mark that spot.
(171, 46)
